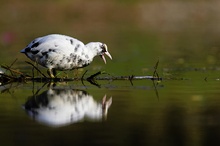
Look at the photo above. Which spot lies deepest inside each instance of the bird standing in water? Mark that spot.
(61, 52)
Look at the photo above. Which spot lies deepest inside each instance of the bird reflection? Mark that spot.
(60, 107)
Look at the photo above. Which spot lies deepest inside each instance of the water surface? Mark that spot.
(171, 112)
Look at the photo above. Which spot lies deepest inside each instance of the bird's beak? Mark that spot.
(103, 57)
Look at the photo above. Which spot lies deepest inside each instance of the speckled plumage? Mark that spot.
(61, 52)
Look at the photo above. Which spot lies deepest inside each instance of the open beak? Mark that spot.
(103, 57)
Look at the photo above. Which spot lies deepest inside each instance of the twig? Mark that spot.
(155, 74)
(94, 75)
(36, 69)
(9, 67)
(13, 63)
(12, 70)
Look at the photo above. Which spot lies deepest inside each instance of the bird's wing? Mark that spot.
(55, 42)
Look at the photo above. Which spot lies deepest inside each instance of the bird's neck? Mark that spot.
(91, 54)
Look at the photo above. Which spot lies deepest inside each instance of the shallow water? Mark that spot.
(171, 112)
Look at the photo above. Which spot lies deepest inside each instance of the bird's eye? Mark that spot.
(103, 46)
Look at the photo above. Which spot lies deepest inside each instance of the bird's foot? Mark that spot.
(50, 73)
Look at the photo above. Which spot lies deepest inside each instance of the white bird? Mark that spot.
(61, 52)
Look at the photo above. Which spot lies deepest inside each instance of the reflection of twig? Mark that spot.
(6, 79)
(130, 79)
(36, 68)
(7, 76)
(155, 89)
(39, 89)
(82, 78)
(9, 88)
(91, 79)
(33, 87)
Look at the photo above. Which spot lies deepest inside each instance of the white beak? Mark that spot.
(103, 57)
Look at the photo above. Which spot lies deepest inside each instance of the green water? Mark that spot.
(173, 112)
(182, 109)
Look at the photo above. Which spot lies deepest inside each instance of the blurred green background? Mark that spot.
(138, 32)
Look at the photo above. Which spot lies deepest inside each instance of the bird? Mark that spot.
(62, 52)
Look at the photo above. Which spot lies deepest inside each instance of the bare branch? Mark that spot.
(36, 69)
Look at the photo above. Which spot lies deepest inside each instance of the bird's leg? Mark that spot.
(50, 73)
(54, 72)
